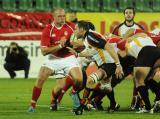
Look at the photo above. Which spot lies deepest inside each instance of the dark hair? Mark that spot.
(130, 8)
(86, 25)
(13, 43)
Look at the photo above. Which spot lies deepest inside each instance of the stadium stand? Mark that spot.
(92, 5)
(25, 5)
(144, 5)
(80, 5)
(59, 3)
(9, 5)
(156, 5)
(77, 5)
(109, 6)
(125, 3)
(43, 5)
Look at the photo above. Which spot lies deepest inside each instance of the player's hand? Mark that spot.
(72, 51)
(63, 41)
(119, 71)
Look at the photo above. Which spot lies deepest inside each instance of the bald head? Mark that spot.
(59, 17)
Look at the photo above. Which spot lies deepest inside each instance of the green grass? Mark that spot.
(15, 96)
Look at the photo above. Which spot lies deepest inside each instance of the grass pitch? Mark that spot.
(15, 96)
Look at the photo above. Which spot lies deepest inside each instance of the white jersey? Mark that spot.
(123, 28)
(99, 55)
(137, 44)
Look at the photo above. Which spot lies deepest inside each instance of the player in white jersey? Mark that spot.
(120, 30)
(129, 14)
(146, 53)
(95, 46)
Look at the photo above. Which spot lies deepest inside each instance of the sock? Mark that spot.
(111, 97)
(145, 97)
(135, 92)
(68, 84)
(98, 98)
(136, 99)
(154, 86)
(54, 97)
(76, 99)
(86, 93)
(96, 92)
(35, 95)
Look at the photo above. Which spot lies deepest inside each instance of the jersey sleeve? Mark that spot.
(121, 44)
(115, 31)
(96, 40)
(155, 38)
(45, 38)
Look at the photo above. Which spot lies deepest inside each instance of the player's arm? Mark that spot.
(46, 47)
(101, 43)
(75, 42)
(49, 50)
(84, 53)
(53, 49)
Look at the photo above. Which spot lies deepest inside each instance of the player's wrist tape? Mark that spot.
(118, 64)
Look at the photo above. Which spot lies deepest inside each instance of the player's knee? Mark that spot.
(139, 74)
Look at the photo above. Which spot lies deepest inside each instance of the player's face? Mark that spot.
(59, 17)
(129, 15)
(79, 32)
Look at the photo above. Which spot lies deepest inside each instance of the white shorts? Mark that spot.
(84, 62)
(62, 64)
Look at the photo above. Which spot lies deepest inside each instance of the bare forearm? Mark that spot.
(84, 53)
(112, 52)
(48, 50)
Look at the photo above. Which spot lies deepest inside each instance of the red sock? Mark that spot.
(97, 87)
(55, 96)
(86, 93)
(35, 95)
(68, 84)
(97, 99)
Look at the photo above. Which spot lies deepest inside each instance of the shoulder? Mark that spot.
(117, 27)
(71, 24)
(140, 26)
(67, 26)
(120, 25)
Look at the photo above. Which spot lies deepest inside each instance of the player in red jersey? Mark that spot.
(55, 38)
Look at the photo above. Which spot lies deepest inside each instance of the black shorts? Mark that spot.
(127, 63)
(109, 68)
(147, 56)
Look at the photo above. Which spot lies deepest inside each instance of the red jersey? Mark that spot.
(51, 36)
(154, 37)
(120, 43)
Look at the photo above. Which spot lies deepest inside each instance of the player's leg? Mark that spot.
(59, 90)
(76, 74)
(140, 74)
(44, 73)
